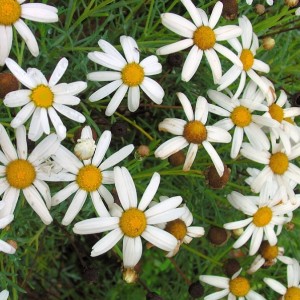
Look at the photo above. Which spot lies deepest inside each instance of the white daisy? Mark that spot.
(270, 2)
(4, 246)
(43, 98)
(292, 292)
(129, 75)
(11, 14)
(181, 228)
(87, 177)
(268, 256)
(278, 169)
(264, 213)
(246, 53)
(20, 172)
(280, 111)
(4, 295)
(202, 36)
(133, 220)
(192, 133)
(240, 115)
(238, 287)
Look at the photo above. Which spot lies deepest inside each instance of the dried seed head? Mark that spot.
(196, 290)
(217, 236)
(214, 180)
(296, 100)
(268, 43)
(177, 159)
(231, 266)
(175, 60)
(153, 296)
(230, 9)
(119, 129)
(260, 9)
(8, 83)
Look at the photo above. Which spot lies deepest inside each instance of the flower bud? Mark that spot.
(217, 236)
(260, 9)
(268, 43)
(291, 3)
(177, 159)
(130, 275)
(142, 151)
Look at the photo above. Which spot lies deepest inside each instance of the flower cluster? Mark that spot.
(260, 127)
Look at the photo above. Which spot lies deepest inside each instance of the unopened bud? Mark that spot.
(291, 3)
(177, 159)
(217, 236)
(268, 43)
(130, 275)
(260, 9)
(142, 151)
(238, 232)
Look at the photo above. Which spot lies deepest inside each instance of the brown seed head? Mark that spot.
(8, 83)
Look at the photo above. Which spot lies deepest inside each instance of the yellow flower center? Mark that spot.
(292, 293)
(195, 132)
(247, 59)
(279, 163)
(133, 74)
(177, 228)
(20, 173)
(290, 120)
(204, 37)
(133, 222)
(241, 116)
(10, 12)
(42, 96)
(276, 112)
(89, 178)
(268, 252)
(262, 217)
(239, 286)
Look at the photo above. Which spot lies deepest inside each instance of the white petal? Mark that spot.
(214, 63)
(236, 142)
(191, 63)
(6, 42)
(172, 125)
(64, 193)
(130, 48)
(96, 225)
(98, 204)
(69, 112)
(190, 157)
(110, 49)
(121, 188)
(44, 190)
(58, 72)
(6, 145)
(57, 123)
(28, 37)
(153, 90)
(216, 281)
(256, 240)
(116, 100)
(216, 14)
(175, 47)
(187, 106)
(132, 251)
(214, 157)
(17, 98)
(133, 98)
(170, 147)
(193, 12)
(224, 33)
(163, 206)
(201, 110)
(39, 12)
(275, 285)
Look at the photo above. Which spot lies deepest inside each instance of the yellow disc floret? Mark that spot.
(195, 132)
(239, 286)
(10, 12)
(133, 222)
(279, 163)
(42, 96)
(241, 116)
(89, 178)
(247, 59)
(177, 228)
(267, 251)
(276, 112)
(133, 74)
(292, 293)
(204, 37)
(263, 216)
(20, 173)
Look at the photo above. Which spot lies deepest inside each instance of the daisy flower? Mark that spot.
(4, 295)
(292, 292)
(11, 14)
(238, 287)
(20, 172)
(43, 98)
(132, 220)
(193, 133)
(4, 246)
(268, 256)
(246, 53)
(181, 228)
(280, 111)
(278, 169)
(87, 177)
(270, 2)
(264, 213)
(240, 115)
(202, 36)
(129, 74)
